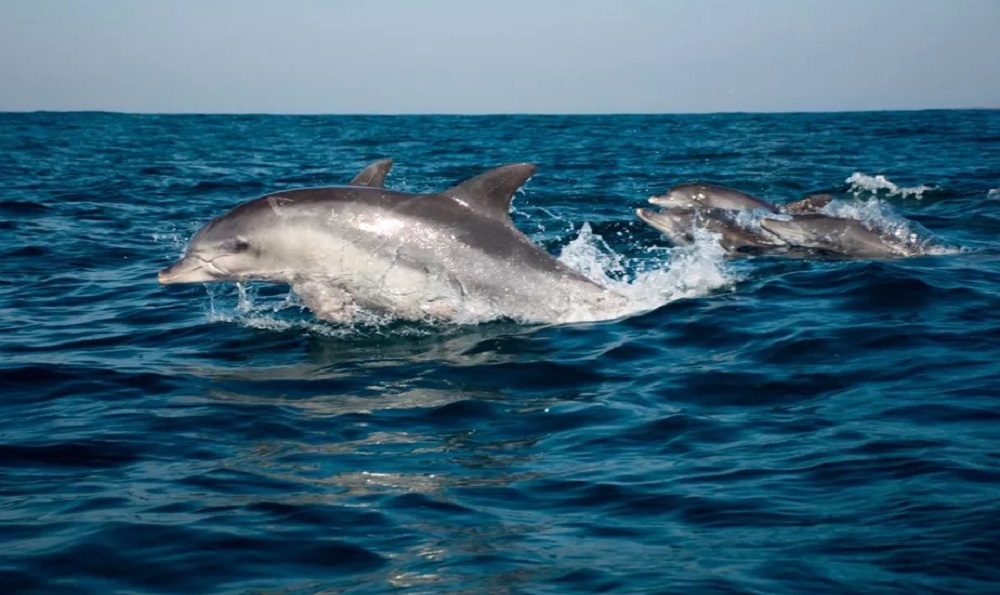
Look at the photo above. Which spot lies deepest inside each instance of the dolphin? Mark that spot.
(679, 226)
(695, 195)
(353, 251)
(839, 236)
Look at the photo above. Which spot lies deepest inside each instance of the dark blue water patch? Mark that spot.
(28, 252)
(17, 207)
(105, 565)
(73, 454)
(810, 426)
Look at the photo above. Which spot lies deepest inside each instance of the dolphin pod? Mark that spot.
(802, 229)
(360, 249)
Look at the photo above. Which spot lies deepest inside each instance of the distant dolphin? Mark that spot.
(847, 237)
(351, 250)
(694, 195)
(679, 225)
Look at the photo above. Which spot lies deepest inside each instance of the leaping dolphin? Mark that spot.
(351, 250)
(704, 195)
(696, 195)
(679, 225)
(847, 237)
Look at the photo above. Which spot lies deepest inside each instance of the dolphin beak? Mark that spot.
(658, 220)
(186, 270)
(645, 214)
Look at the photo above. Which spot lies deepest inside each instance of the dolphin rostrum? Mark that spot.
(351, 251)
(839, 236)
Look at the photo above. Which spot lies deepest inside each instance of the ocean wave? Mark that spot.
(800, 426)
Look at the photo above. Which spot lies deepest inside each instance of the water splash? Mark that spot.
(993, 194)
(861, 183)
(879, 215)
(662, 276)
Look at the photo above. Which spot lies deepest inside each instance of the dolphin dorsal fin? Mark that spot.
(490, 193)
(373, 175)
(809, 204)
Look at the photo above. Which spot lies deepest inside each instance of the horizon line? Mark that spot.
(490, 114)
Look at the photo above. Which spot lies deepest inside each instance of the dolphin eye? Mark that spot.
(239, 245)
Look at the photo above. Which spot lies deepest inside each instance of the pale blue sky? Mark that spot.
(478, 56)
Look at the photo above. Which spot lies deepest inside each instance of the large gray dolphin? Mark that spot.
(847, 237)
(352, 250)
(679, 225)
(697, 195)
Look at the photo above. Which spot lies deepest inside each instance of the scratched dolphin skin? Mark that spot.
(349, 251)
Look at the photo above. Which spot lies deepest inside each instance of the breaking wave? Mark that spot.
(861, 183)
(993, 194)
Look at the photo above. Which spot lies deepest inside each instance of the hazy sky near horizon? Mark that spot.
(479, 56)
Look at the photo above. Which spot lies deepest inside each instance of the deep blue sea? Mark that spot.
(759, 425)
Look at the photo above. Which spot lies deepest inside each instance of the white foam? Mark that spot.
(863, 183)
(281, 314)
(662, 276)
(879, 215)
(993, 194)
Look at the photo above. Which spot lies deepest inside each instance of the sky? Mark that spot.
(499, 56)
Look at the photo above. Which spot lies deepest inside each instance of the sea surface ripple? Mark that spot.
(772, 426)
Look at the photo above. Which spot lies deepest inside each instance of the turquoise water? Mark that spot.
(763, 425)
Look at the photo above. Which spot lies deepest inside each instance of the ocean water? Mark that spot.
(761, 425)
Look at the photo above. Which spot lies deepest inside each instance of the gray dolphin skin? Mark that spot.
(710, 196)
(810, 204)
(847, 237)
(348, 251)
(373, 175)
(679, 226)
